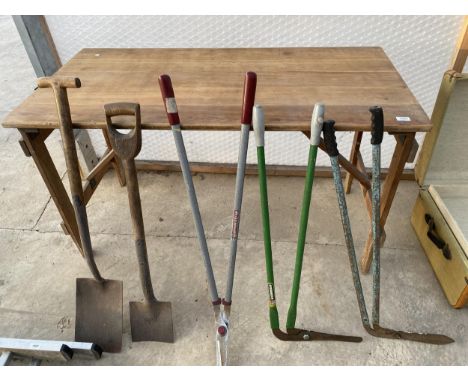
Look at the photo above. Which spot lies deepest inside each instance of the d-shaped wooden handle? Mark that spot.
(125, 146)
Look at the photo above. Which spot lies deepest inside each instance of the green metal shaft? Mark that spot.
(309, 181)
(274, 320)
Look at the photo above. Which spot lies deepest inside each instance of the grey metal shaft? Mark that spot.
(375, 234)
(138, 229)
(239, 191)
(349, 238)
(184, 164)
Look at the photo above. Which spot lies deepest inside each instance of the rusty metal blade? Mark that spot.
(151, 321)
(99, 313)
(428, 338)
(308, 335)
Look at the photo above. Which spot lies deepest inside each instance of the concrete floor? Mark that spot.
(39, 264)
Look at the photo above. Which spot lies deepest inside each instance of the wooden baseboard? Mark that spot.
(251, 169)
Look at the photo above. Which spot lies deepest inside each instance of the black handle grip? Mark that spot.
(329, 137)
(435, 238)
(377, 125)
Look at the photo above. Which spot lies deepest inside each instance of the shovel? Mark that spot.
(150, 320)
(375, 329)
(98, 301)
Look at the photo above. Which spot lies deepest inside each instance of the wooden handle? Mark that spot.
(122, 108)
(250, 85)
(58, 82)
(125, 146)
(167, 92)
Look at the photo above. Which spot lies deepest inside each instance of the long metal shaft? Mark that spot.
(376, 234)
(138, 229)
(349, 238)
(274, 319)
(187, 175)
(292, 312)
(239, 191)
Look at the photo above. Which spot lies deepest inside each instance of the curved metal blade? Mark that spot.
(222, 336)
(428, 338)
(308, 335)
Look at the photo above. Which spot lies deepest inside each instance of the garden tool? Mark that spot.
(150, 320)
(98, 301)
(375, 329)
(221, 307)
(292, 333)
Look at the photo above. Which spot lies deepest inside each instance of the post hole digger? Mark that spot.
(98, 300)
(150, 320)
(221, 307)
(292, 333)
(373, 328)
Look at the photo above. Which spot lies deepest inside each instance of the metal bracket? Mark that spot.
(86, 155)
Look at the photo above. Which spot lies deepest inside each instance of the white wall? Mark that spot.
(419, 46)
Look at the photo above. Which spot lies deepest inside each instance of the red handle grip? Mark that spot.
(250, 84)
(167, 92)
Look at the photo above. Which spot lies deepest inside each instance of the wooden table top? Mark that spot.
(208, 85)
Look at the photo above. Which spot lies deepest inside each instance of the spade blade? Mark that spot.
(151, 321)
(99, 313)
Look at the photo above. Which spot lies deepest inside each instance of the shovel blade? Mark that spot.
(151, 321)
(99, 313)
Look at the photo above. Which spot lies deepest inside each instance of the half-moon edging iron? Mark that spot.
(293, 333)
(98, 300)
(150, 320)
(375, 330)
(221, 307)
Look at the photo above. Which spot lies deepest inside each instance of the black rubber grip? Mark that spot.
(329, 137)
(377, 127)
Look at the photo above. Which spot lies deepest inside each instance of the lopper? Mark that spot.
(221, 307)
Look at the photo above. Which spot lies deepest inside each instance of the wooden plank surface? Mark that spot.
(208, 85)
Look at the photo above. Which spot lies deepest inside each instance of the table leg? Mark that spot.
(353, 159)
(400, 157)
(34, 140)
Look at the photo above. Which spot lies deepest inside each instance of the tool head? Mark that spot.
(428, 338)
(250, 84)
(309, 335)
(126, 146)
(151, 321)
(222, 334)
(258, 122)
(99, 313)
